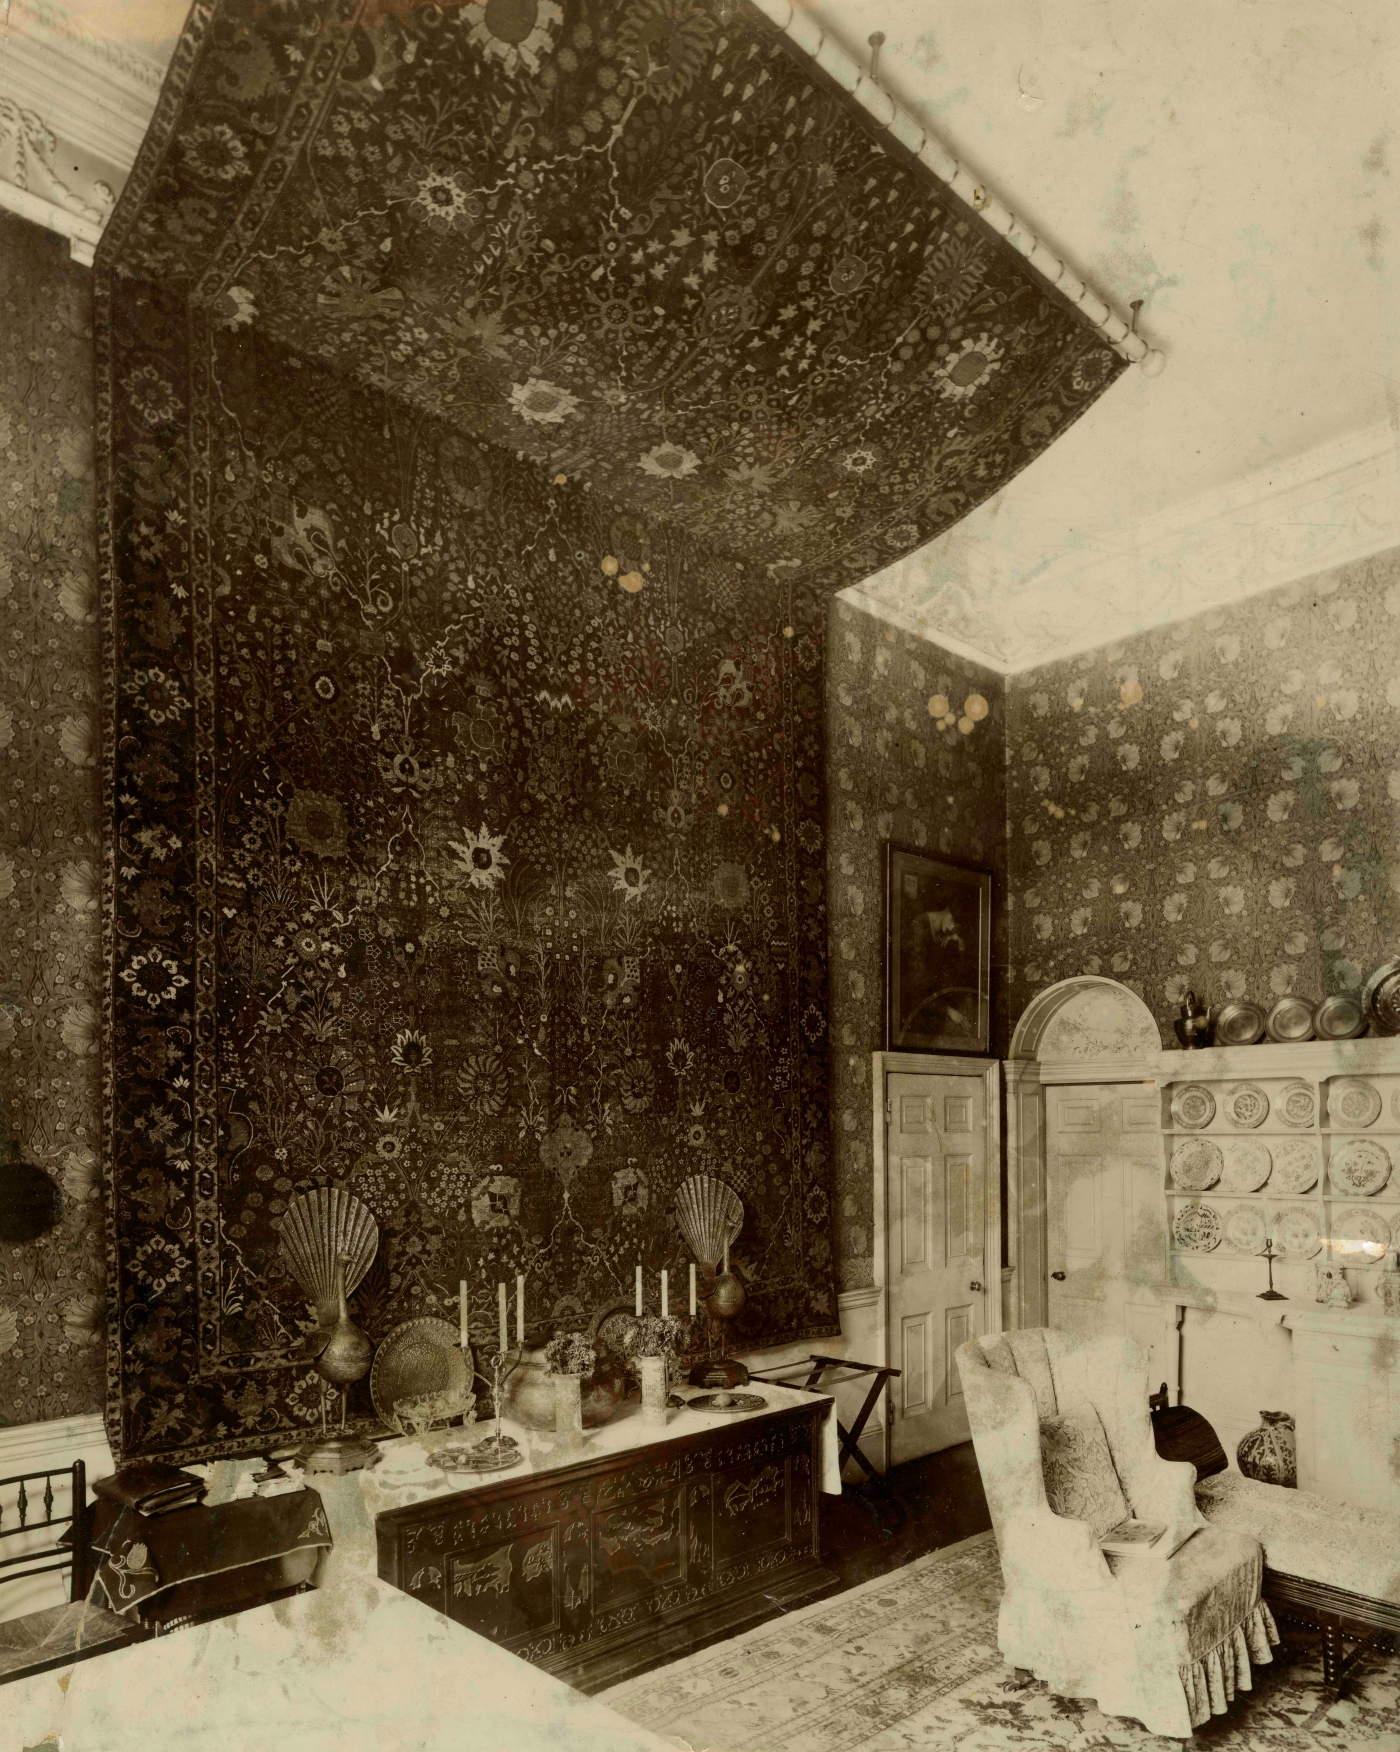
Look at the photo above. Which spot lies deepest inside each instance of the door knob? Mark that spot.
(974, 1285)
(1058, 1276)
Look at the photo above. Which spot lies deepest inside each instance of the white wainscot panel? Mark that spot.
(1232, 1368)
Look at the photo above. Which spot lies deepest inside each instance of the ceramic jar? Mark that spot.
(568, 1408)
(528, 1396)
(1270, 1453)
(654, 1389)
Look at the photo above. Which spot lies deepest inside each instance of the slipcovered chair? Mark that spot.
(1064, 1444)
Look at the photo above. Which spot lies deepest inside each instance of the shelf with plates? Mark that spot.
(1297, 1145)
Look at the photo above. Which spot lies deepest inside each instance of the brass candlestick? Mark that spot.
(1271, 1294)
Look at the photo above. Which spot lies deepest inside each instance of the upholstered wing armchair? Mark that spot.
(1064, 1443)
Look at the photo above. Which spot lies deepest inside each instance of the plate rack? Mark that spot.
(1258, 1096)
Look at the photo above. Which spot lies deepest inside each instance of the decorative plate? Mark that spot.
(418, 1356)
(1291, 1019)
(1193, 1106)
(1297, 1164)
(1380, 997)
(1296, 1105)
(1197, 1228)
(737, 1402)
(1295, 1232)
(1239, 1024)
(1339, 1018)
(1196, 1164)
(1352, 1104)
(1362, 1233)
(1245, 1228)
(1247, 1105)
(478, 1457)
(1360, 1165)
(1247, 1165)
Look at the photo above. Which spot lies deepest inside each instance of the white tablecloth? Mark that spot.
(356, 1666)
(404, 1477)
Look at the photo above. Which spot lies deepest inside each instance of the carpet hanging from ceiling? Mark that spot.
(646, 242)
(911, 1660)
(489, 399)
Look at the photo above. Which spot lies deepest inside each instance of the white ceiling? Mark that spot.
(1234, 163)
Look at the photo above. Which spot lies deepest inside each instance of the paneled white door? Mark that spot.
(938, 1272)
(1103, 1161)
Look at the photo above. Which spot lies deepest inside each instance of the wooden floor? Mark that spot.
(871, 1529)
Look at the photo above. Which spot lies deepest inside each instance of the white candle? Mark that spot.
(726, 1257)
(501, 1310)
(639, 1291)
(665, 1301)
(462, 1313)
(692, 1289)
(520, 1309)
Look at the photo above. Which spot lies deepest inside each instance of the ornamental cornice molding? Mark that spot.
(1332, 505)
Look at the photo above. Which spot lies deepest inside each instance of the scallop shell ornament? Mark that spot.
(710, 1215)
(319, 1230)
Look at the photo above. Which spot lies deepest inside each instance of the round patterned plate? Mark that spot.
(1297, 1164)
(1380, 997)
(1291, 1019)
(1245, 1228)
(1247, 1165)
(1296, 1105)
(1196, 1164)
(418, 1356)
(1360, 1165)
(1295, 1232)
(737, 1402)
(1361, 1233)
(1339, 1018)
(1246, 1105)
(1352, 1104)
(1193, 1106)
(1197, 1228)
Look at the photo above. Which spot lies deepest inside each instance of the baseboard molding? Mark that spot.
(57, 1442)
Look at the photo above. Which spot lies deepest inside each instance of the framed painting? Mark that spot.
(938, 954)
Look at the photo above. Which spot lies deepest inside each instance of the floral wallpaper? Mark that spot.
(906, 763)
(51, 1289)
(467, 842)
(645, 242)
(1213, 805)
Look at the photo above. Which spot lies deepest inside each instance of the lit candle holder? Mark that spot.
(462, 1337)
(501, 1311)
(639, 1291)
(692, 1289)
(665, 1298)
(520, 1308)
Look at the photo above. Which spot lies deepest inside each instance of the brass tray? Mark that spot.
(418, 1356)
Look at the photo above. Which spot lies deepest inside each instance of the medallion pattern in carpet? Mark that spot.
(909, 1663)
(646, 243)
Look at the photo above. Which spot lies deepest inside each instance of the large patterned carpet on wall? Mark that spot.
(490, 399)
(899, 770)
(1213, 805)
(51, 1289)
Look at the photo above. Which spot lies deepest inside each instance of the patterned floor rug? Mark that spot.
(909, 1663)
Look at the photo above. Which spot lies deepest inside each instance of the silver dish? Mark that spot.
(1291, 1019)
(1380, 997)
(738, 1402)
(419, 1356)
(1339, 1018)
(1239, 1024)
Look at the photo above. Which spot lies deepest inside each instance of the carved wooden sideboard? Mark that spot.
(593, 1571)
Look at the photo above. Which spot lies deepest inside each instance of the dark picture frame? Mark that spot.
(938, 953)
